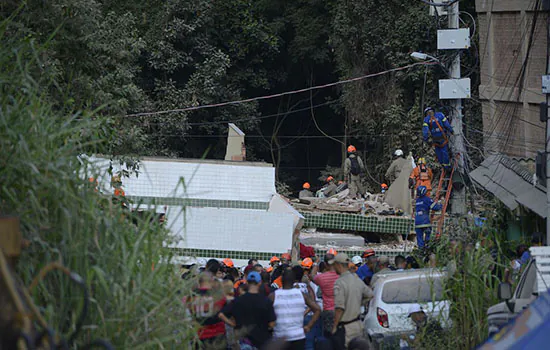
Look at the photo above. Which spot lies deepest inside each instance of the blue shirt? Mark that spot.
(431, 127)
(525, 257)
(423, 206)
(364, 272)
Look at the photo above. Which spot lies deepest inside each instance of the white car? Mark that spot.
(394, 292)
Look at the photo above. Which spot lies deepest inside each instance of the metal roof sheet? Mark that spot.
(511, 183)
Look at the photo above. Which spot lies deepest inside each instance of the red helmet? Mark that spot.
(367, 253)
(332, 251)
(274, 259)
(286, 256)
(352, 149)
(306, 185)
(384, 186)
(330, 178)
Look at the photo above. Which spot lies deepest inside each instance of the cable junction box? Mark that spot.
(450, 89)
(453, 39)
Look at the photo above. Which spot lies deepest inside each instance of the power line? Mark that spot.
(317, 87)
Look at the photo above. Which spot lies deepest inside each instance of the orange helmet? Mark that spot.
(352, 149)
(286, 256)
(332, 251)
(367, 253)
(330, 178)
(274, 259)
(228, 262)
(269, 269)
(306, 185)
(384, 186)
(307, 263)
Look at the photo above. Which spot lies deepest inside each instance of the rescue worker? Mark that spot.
(383, 188)
(421, 176)
(330, 188)
(353, 168)
(437, 125)
(396, 166)
(305, 192)
(422, 223)
(274, 262)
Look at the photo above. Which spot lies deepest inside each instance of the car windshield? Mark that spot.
(417, 290)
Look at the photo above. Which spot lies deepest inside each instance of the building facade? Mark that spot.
(513, 52)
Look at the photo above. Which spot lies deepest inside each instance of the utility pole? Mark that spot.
(458, 199)
(546, 89)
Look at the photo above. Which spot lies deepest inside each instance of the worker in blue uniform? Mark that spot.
(422, 223)
(438, 126)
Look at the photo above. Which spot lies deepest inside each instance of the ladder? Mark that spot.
(445, 188)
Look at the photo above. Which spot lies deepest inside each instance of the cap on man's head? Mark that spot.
(383, 260)
(254, 277)
(414, 308)
(341, 258)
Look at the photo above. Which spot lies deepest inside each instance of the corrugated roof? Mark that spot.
(511, 183)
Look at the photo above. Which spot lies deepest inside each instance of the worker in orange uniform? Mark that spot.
(274, 262)
(305, 192)
(353, 168)
(421, 176)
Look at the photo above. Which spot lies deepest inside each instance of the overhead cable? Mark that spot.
(317, 87)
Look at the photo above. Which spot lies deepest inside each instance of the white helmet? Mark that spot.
(398, 153)
(356, 260)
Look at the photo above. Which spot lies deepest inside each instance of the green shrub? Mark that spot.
(44, 183)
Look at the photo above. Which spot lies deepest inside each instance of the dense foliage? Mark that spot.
(67, 220)
(126, 57)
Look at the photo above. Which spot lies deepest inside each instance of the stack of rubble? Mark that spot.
(373, 205)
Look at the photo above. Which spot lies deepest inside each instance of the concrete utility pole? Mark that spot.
(547, 135)
(458, 199)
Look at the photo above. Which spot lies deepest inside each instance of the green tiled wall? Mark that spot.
(349, 222)
(198, 202)
(222, 254)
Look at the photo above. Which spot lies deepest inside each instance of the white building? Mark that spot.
(214, 209)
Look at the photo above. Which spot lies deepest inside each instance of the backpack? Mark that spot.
(355, 168)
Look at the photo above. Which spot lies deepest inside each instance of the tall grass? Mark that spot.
(471, 286)
(66, 220)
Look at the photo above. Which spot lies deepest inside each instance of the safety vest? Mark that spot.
(423, 173)
(433, 119)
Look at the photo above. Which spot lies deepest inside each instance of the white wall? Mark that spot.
(221, 181)
(231, 229)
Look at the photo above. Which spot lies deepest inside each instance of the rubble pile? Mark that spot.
(373, 204)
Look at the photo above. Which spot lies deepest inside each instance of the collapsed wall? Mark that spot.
(214, 209)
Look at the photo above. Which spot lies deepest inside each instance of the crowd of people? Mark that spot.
(309, 304)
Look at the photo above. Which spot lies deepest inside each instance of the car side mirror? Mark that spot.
(504, 291)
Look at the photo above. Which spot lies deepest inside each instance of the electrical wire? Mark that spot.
(286, 93)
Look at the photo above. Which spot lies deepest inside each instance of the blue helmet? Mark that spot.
(421, 191)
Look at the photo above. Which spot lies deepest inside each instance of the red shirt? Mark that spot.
(206, 309)
(326, 281)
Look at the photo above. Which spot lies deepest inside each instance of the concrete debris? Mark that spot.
(331, 239)
(374, 204)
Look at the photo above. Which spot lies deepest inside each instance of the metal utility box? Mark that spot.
(453, 39)
(450, 89)
(546, 84)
